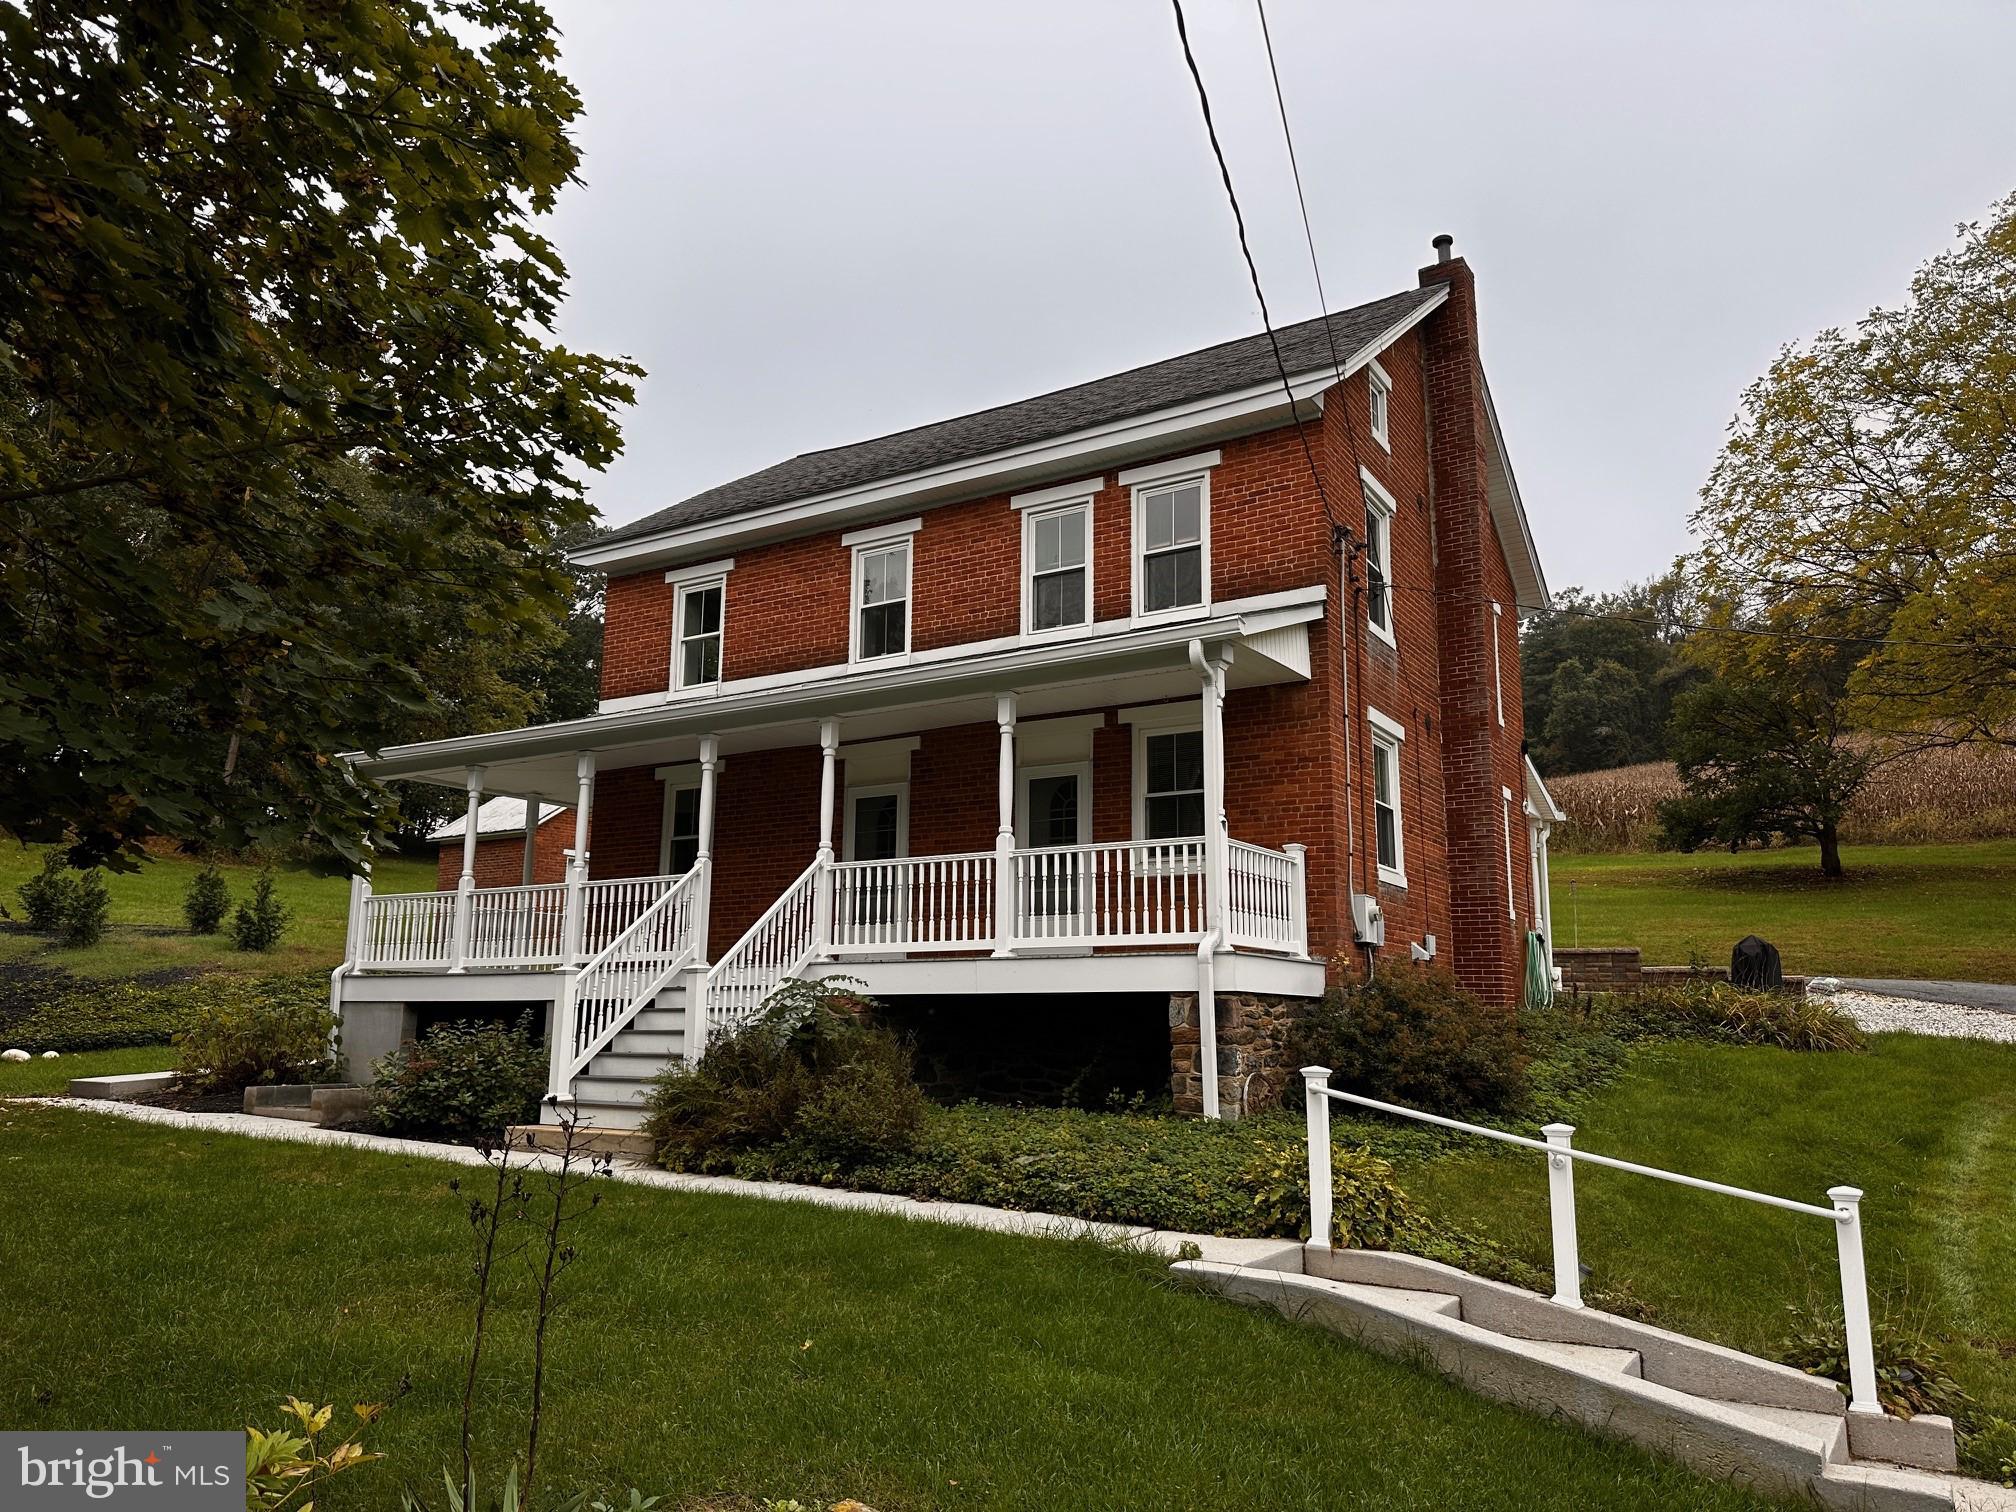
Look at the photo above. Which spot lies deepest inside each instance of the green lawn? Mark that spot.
(1926, 1127)
(1943, 911)
(42, 1078)
(148, 933)
(718, 1347)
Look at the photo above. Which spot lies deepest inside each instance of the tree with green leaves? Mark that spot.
(1874, 471)
(287, 449)
(1600, 673)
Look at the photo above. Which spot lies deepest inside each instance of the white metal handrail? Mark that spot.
(1557, 1146)
(407, 929)
(1130, 892)
(1265, 902)
(625, 975)
(779, 945)
(914, 903)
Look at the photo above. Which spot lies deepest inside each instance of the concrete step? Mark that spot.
(659, 1020)
(662, 1043)
(596, 1138)
(1597, 1357)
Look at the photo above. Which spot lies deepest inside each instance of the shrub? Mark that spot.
(207, 902)
(257, 1032)
(85, 911)
(811, 1072)
(1711, 1009)
(1414, 1037)
(45, 897)
(261, 919)
(1910, 1374)
(464, 1081)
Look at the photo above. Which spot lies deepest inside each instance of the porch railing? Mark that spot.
(780, 944)
(521, 928)
(915, 903)
(1558, 1146)
(407, 929)
(626, 975)
(518, 926)
(1265, 906)
(1128, 893)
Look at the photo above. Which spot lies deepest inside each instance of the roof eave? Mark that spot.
(1508, 514)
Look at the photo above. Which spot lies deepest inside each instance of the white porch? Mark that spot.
(1185, 914)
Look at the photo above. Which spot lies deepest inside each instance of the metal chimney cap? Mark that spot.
(1442, 245)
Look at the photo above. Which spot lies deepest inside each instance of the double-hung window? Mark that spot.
(1172, 534)
(698, 616)
(699, 613)
(1058, 543)
(682, 830)
(1379, 391)
(881, 606)
(1379, 511)
(1172, 784)
(1388, 842)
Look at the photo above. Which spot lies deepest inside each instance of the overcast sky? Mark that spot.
(816, 223)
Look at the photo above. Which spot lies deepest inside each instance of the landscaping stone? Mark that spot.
(15, 1055)
(309, 1103)
(1896, 1015)
(1253, 1068)
(120, 1088)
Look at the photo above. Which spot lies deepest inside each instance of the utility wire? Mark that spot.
(1252, 270)
(1295, 167)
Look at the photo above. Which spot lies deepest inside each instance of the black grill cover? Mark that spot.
(1754, 963)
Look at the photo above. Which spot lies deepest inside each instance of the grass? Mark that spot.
(43, 1078)
(1941, 911)
(148, 934)
(715, 1346)
(1926, 1127)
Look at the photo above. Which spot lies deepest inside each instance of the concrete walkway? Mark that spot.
(1165, 1242)
(1993, 995)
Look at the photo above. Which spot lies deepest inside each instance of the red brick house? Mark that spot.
(1183, 685)
(507, 854)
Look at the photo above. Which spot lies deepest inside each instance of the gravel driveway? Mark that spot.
(1918, 1012)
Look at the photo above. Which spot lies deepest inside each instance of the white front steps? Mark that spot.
(610, 1093)
(1730, 1415)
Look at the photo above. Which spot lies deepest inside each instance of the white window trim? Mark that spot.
(1497, 662)
(1387, 506)
(1057, 493)
(676, 779)
(1030, 515)
(888, 530)
(1389, 735)
(1082, 770)
(1511, 899)
(901, 790)
(1379, 416)
(1154, 479)
(1143, 728)
(854, 604)
(693, 570)
(684, 586)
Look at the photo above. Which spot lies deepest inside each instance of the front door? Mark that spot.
(1056, 811)
(875, 831)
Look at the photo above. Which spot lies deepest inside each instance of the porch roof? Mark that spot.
(1121, 664)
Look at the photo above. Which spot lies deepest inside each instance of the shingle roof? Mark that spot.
(1222, 369)
(497, 816)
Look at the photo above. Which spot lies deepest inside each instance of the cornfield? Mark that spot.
(1967, 794)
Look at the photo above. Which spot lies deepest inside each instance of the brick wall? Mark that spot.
(500, 860)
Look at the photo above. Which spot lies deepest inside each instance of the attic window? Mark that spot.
(1379, 389)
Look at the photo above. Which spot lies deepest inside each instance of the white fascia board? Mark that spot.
(1539, 799)
(789, 695)
(969, 477)
(1508, 515)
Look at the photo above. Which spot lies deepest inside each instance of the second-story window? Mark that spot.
(1172, 547)
(1379, 509)
(881, 600)
(1379, 391)
(698, 618)
(1059, 575)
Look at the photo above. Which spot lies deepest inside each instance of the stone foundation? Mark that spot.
(1253, 1060)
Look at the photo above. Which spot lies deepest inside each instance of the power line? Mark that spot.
(1295, 167)
(1246, 250)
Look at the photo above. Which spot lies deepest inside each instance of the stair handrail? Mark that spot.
(1558, 1147)
(738, 959)
(568, 1061)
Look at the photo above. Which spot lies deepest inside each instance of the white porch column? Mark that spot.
(1004, 832)
(822, 896)
(528, 870)
(465, 891)
(577, 858)
(1217, 855)
(703, 856)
